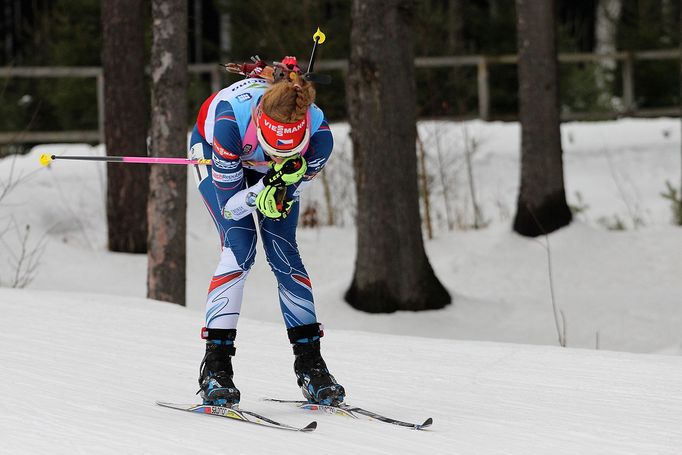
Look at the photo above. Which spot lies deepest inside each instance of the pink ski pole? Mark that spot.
(46, 159)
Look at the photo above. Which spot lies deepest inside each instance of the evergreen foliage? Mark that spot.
(62, 33)
(674, 196)
(67, 33)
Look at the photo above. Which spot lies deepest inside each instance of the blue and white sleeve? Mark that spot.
(319, 151)
(226, 170)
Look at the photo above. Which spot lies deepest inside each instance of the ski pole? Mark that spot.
(46, 159)
(318, 38)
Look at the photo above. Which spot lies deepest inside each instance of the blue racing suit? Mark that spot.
(229, 187)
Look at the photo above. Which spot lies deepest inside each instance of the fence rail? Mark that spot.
(481, 62)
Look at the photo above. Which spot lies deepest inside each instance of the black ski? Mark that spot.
(237, 414)
(353, 412)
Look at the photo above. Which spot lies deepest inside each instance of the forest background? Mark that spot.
(68, 33)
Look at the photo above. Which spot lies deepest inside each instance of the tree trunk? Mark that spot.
(198, 31)
(606, 30)
(541, 206)
(392, 271)
(126, 114)
(456, 27)
(168, 184)
(456, 46)
(668, 21)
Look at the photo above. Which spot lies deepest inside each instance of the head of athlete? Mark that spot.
(282, 113)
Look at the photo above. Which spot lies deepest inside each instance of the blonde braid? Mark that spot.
(303, 98)
(289, 99)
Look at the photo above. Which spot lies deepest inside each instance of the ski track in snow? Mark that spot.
(81, 374)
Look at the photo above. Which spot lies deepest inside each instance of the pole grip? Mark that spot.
(318, 38)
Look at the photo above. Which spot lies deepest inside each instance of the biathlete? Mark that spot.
(267, 140)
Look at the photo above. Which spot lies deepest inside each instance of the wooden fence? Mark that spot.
(483, 64)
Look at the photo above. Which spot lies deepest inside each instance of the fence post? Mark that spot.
(628, 83)
(483, 89)
(216, 84)
(100, 105)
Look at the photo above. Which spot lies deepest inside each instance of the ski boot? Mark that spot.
(215, 375)
(313, 377)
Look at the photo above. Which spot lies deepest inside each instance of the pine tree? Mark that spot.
(541, 205)
(392, 271)
(168, 184)
(126, 114)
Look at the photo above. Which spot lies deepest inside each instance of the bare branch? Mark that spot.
(559, 317)
(423, 180)
(470, 148)
(25, 260)
(632, 208)
(560, 325)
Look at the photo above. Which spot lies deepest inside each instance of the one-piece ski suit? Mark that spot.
(225, 133)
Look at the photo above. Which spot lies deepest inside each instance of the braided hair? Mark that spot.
(288, 99)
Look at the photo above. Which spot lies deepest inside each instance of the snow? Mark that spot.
(81, 373)
(84, 355)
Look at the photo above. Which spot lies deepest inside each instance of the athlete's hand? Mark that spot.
(288, 172)
(273, 203)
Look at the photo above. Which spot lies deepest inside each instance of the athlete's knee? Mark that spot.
(282, 254)
(284, 261)
(231, 260)
(240, 244)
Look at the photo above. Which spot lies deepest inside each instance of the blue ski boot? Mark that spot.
(215, 376)
(313, 377)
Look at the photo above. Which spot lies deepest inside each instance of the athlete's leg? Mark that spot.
(298, 308)
(223, 303)
(294, 287)
(238, 240)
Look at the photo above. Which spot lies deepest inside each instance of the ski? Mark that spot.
(352, 412)
(237, 414)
